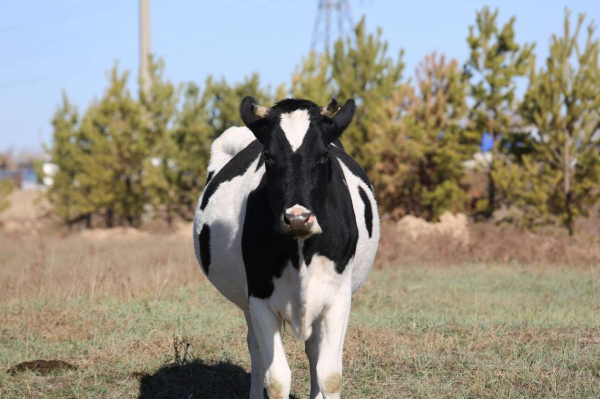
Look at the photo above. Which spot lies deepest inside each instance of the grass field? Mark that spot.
(117, 310)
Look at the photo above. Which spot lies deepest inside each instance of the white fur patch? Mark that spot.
(295, 125)
(301, 295)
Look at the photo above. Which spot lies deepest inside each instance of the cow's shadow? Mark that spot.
(198, 380)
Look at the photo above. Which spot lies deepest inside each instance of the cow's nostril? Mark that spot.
(297, 220)
(305, 217)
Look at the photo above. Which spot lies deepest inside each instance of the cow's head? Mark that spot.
(296, 135)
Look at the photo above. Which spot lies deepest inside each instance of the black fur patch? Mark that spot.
(368, 210)
(293, 104)
(204, 240)
(209, 177)
(265, 252)
(236, 167)
(340, 232)
(261, 161)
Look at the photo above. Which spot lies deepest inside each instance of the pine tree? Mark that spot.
(496, 60)
(162, 174)
(126, 155)
(70, 200)
(312, 79)
(222, 101)
(361, 69)
(116, 142)
(419, 153)
(524, 184)
(563, 104)
(192, 138)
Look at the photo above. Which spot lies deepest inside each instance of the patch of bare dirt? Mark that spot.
(43, 367)
(455, 227)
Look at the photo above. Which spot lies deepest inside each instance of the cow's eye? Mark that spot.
(323, 158)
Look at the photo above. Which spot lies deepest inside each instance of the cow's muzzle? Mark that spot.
(299, 221)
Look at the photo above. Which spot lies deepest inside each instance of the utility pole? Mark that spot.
(145, 46)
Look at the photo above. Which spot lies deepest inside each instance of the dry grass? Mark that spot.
(25, 206)
(137, 319)
(95, 265)
(489, 243)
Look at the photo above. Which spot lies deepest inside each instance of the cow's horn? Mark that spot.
(260, 111)
(330, 108)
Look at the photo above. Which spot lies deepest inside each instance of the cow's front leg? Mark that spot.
(333, 326)
(267, 329)
(311, 347)
(257, 381)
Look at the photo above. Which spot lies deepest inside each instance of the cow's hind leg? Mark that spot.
(257, 381)
(267, 328)
(334, 324)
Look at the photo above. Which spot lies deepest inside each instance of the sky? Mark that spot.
(50, 46)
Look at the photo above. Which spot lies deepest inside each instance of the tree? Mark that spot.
(312, 79)
(162, 174)
(361, 69)
(524, 184)
(192, 138)
(116, 143)
(496, 60)
(70, 201)
(563, 105)
(419, 153)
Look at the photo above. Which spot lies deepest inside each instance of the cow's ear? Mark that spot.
(342, 119)
(255, 117)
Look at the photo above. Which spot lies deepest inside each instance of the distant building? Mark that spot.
(22, 174)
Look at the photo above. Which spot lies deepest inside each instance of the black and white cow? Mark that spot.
(287, 229)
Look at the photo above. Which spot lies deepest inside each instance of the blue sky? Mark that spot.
(48, 46)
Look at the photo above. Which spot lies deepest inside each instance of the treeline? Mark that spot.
(126, 158)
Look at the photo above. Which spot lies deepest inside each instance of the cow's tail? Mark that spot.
(227, 146)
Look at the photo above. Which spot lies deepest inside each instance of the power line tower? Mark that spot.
(322, 27)
(145, 46)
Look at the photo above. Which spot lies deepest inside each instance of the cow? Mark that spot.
(287, 229)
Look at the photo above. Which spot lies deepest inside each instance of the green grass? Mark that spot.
(478, 331)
